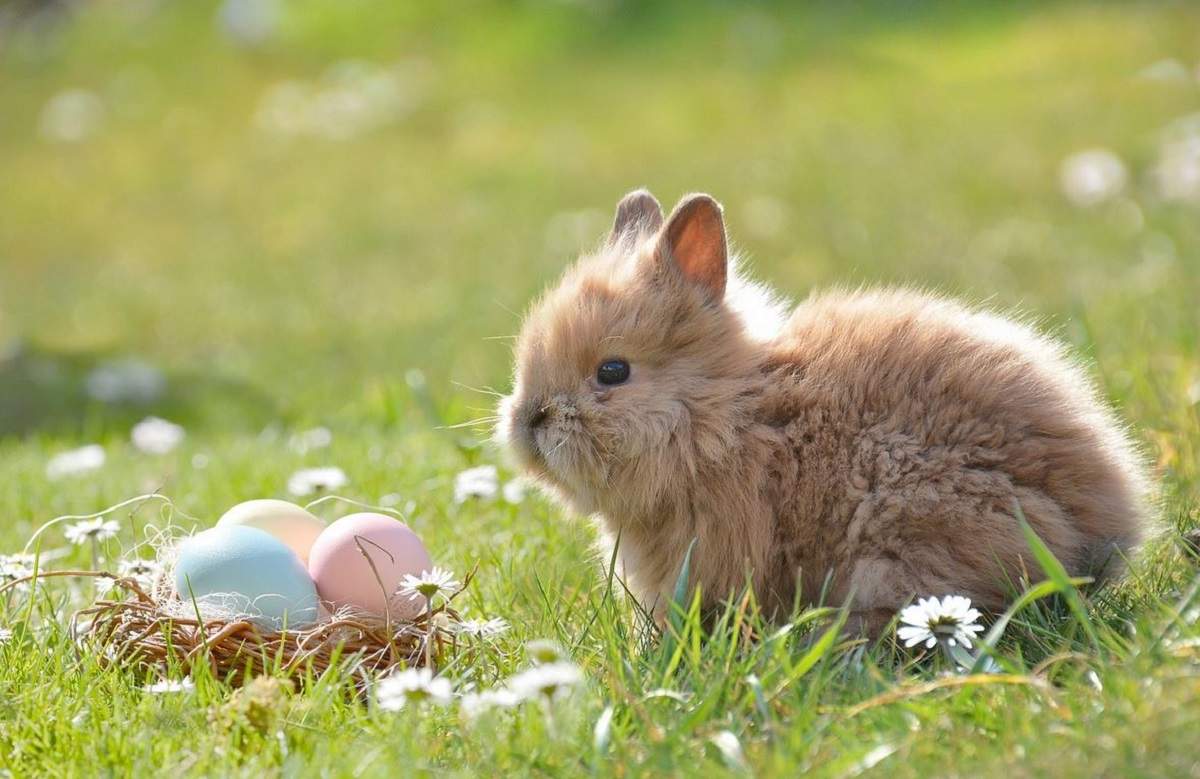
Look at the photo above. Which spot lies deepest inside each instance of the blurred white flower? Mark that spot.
(351, 98)
(429, 584)
(98, 529)
(481, 628)
(515, 489)
(75, 461)
(1165, 70)
(144, 572)
(156, 436)
(479, 482)
(543, 650)
(729, 748)
(307, 440)
(5, 635)
(168, 686)
(309, 480)
(71, 116)
(413, 685)
(1092, 176)
(475, 703)
(250, 22)
(125, 381)
(15, 567)
(1177, 172)
(930, 620)
(549, 681)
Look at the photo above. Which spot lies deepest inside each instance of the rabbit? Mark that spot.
(868, 447)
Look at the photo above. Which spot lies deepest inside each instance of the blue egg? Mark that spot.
(249, 572)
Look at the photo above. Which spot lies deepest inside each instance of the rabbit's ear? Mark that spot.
(694, 239)
(637, 211)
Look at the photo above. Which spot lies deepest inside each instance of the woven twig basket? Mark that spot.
(145, 631)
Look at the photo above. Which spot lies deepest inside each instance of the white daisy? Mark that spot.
(429, 584)
(479, 482)
(316, 438)
(543, 650)
(144, 572)
(168, 686)
(481, 628)
(548, 681)
(156, 436)
(14, 567)
(76, 461)
(98, 529)
(930, 620)
(1092, 176)
(414, 685)
(309, 480)
(5, 635)
(473, 704)
(71, 116)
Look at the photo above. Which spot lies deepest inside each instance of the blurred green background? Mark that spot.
(257, 214)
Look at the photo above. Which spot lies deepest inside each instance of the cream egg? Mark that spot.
(287, 522)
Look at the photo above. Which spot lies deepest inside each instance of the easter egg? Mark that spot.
(291, 524)
(248, 572)
(346, 578)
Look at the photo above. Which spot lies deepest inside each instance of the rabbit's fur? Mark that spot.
(873, 445)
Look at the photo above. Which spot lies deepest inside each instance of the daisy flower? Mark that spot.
(309, 480)
(479, 482)
(76, 461)
(316, 438)
(543, 650)
(473, 704)
(481, 628)
(429, 584)
(548, 681)
(14, 567)
(95, 530)
(167, 686)
(5, 635)
(414, 685)
(156, 436)
(144, 572)
(930, 620)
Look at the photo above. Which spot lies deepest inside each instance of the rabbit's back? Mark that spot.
(916, 423)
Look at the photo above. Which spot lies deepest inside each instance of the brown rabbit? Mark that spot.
(873, 443)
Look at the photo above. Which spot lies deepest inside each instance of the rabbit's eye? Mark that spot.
(613, 372)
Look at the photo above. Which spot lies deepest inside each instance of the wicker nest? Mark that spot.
(145, 630)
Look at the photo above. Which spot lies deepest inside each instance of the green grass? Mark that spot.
(282, 283)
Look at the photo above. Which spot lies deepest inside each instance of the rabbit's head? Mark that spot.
(634, 374)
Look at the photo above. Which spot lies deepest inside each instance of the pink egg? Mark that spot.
(344, 577)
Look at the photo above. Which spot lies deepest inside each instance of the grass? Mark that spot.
(286, 282)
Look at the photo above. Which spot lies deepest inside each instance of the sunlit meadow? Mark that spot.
(260, 249)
